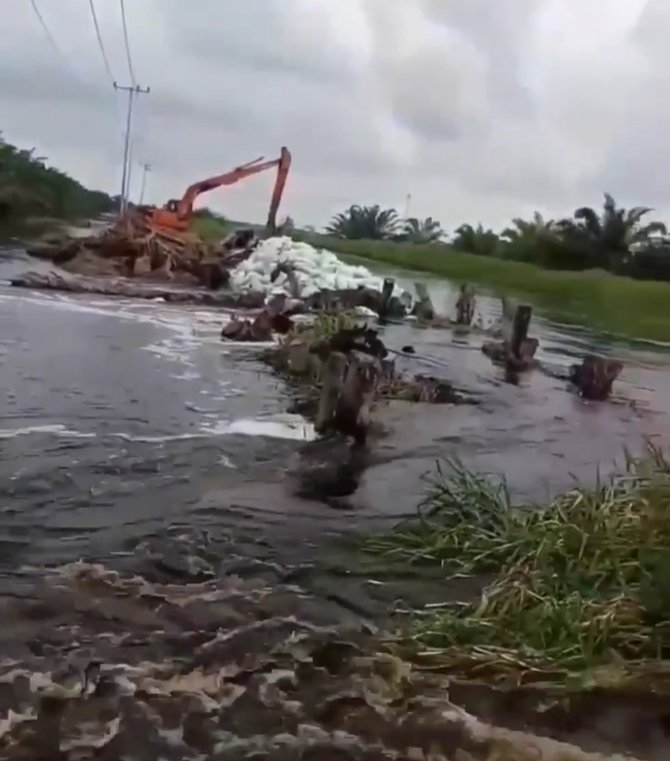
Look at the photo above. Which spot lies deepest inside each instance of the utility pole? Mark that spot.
(146, 168)
(129, 164)
(132, 91)
(134, 142)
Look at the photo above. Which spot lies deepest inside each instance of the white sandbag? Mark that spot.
(315, 269)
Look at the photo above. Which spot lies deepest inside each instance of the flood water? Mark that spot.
(148, 517)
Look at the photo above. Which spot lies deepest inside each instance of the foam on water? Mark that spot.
(55, 428)
(294, 428)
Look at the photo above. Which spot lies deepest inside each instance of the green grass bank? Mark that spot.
(579, 595)
(635, 308)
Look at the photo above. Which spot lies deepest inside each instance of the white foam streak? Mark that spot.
(288, 427)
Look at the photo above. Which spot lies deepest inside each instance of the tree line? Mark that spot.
(30, 188)
(613, 238)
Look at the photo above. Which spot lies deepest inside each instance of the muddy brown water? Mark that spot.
(148, 522)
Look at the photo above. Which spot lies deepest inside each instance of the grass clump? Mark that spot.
(581, 587)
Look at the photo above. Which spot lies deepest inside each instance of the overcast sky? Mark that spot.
(482, 110)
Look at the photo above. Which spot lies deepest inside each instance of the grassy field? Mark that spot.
(579, 593)
(211, 228)
(215, 228)
(630, 307)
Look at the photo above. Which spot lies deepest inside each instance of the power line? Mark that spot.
(132, 90)
(50, 37)
(100, 42)
(125, 37)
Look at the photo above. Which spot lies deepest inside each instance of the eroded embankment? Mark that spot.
(188, 661)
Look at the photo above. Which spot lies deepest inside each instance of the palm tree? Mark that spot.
(611, 234)
(522, 228)
(475, 240)
(368, 222)
(520, 241)
(426, 230)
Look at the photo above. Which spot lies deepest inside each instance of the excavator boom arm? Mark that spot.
(278, 191)
(283, 164)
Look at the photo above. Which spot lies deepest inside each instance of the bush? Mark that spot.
(650, 263)
(28, 187)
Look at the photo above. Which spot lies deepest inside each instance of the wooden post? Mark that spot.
(387, 294)
(465, 306)
(509, 307)
(516, 351)
(520, 329)
(353, 412)
(423, 308)
(347, 393)
(331, 388)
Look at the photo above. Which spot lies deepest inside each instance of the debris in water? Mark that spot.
(516, 352)
(595, 376)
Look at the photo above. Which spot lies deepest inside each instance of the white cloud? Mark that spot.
(482, 110)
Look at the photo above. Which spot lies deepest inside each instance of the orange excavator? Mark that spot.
(174, 219)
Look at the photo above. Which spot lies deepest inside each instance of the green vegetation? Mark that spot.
(618, 304)
(584, 268)
(375, 223)
(209, 225)
(364, 222)
(616, 240)
(30, 189)
(476, 240)
(581, 593)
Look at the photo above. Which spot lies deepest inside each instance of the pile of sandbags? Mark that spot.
(314, 270)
